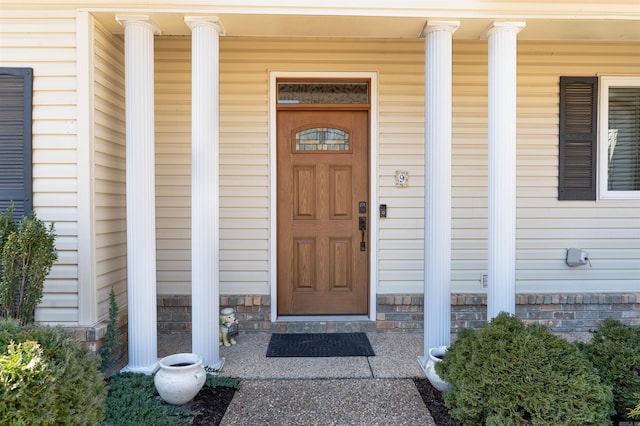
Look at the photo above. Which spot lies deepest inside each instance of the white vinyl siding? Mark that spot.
(109, 171)
(244, 153)
(48, 46)
(546, 226)
(173, 164)
(608, 230)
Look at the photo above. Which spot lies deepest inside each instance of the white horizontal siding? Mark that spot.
(48, 45)
(173, 164)
(109, 186)
(609, 231)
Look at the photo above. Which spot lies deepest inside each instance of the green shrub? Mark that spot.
(26, 385)
(111, 352)
(635, 412)
(75, 388)
(510, 374)
(28, 252)
(615, 351)
(132, 399)
(7, 225)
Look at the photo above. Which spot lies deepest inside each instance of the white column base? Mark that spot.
(147, 370)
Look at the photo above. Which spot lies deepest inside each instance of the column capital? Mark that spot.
(431, 26)
(143, 20)
(207, 21)
(498, 27)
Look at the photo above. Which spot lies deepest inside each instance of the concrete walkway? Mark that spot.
(321, 391)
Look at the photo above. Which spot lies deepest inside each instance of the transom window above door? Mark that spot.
(331, 92)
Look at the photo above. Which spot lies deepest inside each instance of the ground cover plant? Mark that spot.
(133, 400)
(511, 373)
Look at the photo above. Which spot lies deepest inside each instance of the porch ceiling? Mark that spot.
(383, 27)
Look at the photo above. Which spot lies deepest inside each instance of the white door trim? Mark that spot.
(373, 169)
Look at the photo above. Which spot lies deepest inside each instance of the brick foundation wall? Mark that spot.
(399, 313)
(92, 338)
(562, 313)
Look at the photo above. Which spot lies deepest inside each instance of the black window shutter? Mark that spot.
(16, 87)
(578, 138)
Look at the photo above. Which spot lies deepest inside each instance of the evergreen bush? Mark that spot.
(615, 351)
(509, 373)
(26, 385)
(7, 225)
(635, 413)
(111, 352)
(72, 386)
(28, 252)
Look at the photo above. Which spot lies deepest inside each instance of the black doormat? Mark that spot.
(319, 345)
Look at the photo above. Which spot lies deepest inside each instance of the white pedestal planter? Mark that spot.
(180, 378)
(435, 356)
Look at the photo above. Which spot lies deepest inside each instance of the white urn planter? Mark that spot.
(435, 356)
(180, 378)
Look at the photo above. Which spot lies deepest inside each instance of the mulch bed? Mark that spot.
(435, 403)
(211, 403)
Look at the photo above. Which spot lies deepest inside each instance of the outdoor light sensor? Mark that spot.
(577, 257)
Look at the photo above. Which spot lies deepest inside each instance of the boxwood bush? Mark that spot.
(615, 351)
(60, 383)
(509, 373)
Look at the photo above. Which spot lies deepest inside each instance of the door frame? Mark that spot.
(373, 185)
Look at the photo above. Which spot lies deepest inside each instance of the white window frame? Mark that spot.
(603, 137)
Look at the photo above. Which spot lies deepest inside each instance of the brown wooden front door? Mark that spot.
(323, 176)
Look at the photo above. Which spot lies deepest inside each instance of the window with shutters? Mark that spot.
(599, 138)
(15, 139)
(619, 138)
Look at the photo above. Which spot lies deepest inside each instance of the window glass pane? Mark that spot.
(323, 93)
(624, 139)
(322, 139)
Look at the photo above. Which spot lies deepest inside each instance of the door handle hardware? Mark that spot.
(362, 223)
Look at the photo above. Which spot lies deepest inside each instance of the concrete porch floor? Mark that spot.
(320, 391)
(396, 357)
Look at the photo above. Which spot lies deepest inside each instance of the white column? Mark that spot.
(141, 224)
(437, 185)
(205, 236)
(502, 38)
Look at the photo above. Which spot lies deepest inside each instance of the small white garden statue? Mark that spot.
(228, 327)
